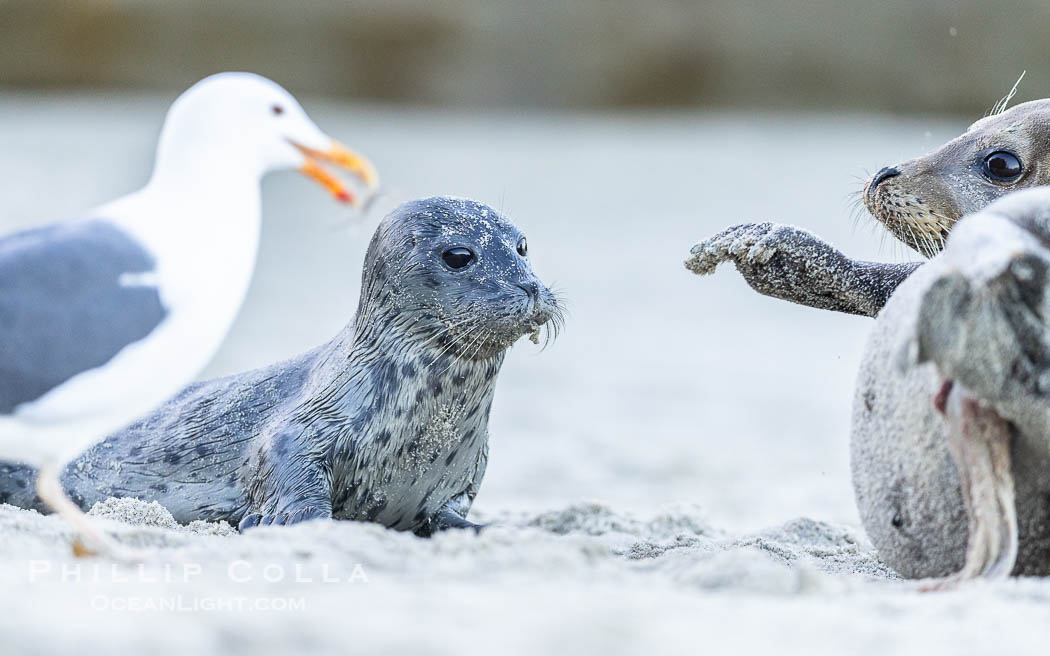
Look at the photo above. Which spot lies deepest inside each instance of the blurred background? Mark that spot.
(945, 56)
(615, 134)
(896, 55)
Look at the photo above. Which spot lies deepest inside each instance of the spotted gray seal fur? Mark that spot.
(918, 202)
(950, 440)
(387, 422)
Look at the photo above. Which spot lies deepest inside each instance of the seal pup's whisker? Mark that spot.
(480, 334)
(554, 325)
(445, 330)
(448, 341)
(458, 339)
(483, 334)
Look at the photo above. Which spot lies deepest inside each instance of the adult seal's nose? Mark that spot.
(885, 174)
(882, 176)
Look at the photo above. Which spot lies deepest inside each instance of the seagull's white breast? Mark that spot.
(205, 249)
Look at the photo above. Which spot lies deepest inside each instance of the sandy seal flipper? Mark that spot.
(918, 201)
(793, 265)
(950, 444)
(387, 422)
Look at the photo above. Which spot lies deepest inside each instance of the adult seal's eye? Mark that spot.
(523, 247)
(458, 258)
(1002, 166)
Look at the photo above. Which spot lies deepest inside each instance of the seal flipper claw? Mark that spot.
(793, 265)
(444, 520)
(307, 513)
(286, 518)
(734, 243)
(250, 520)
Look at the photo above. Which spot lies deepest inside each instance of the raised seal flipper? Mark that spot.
(794, 265)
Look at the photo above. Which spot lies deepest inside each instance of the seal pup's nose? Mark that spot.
(532, 289)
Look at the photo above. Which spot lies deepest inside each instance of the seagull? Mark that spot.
(105, 317)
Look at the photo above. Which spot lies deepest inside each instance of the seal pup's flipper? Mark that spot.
(294, 516)
(793, 265)
(285, 488)
(444, 520)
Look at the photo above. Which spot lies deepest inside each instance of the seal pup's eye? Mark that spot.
(523, 247)
(458, 258)
(1002, 166)
(277, 110)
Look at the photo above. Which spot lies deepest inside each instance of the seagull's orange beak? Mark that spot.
(343, 157)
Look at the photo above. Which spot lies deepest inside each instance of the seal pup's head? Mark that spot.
(456, 275)
(920, 200)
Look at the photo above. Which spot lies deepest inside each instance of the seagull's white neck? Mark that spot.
(201, 223)
(205, 186)
(211, 207)
(183, 157)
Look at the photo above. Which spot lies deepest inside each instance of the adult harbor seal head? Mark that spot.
(387, 422)
(951, 465)
(918, 201)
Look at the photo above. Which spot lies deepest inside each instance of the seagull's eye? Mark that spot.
(277, 110)
(523, 247)
(458, 258)
(1002, 166)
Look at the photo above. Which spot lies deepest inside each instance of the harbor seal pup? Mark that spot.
(387, 422)
(918, 201)
(950, 444)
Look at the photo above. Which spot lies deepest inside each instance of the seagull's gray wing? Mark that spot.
(71, 297)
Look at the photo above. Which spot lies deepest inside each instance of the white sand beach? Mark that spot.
(671, 476)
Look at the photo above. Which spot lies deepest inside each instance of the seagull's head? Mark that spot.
(244, 121)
